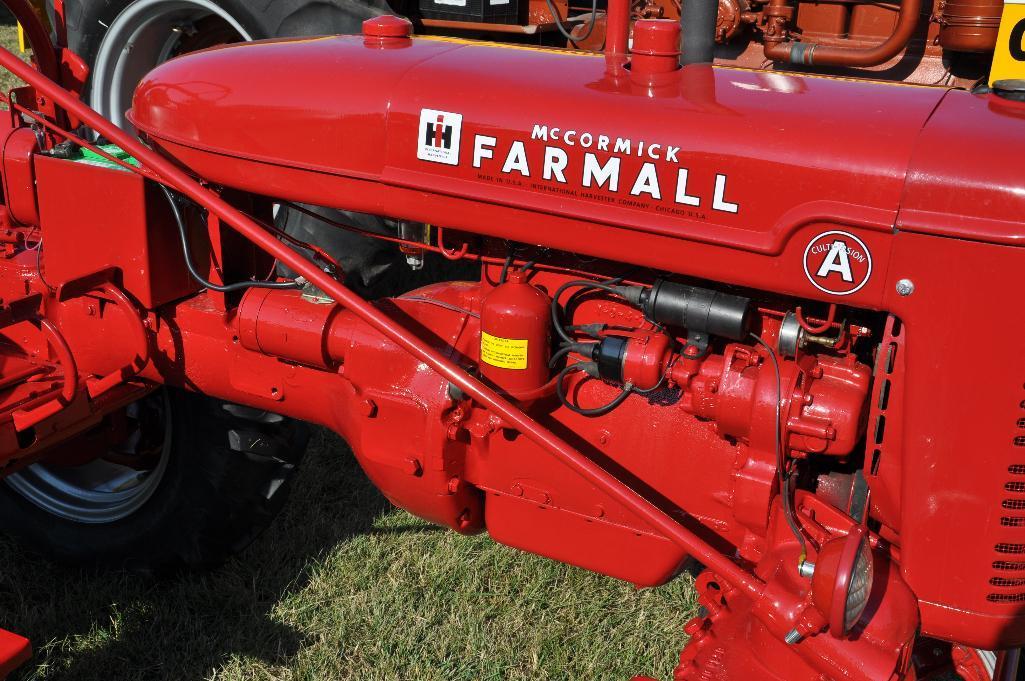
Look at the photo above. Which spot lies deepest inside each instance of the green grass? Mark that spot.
(8, 40)
(342, 586)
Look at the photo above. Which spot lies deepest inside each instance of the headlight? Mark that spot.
(842, 581)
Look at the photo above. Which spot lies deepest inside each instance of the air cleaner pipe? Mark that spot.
(388, 327)
(816, 54)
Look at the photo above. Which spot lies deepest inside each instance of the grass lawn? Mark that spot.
(343, 586)
(8, 40)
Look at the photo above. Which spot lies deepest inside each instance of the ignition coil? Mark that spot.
(702, 312)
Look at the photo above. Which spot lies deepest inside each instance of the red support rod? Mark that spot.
(512, 415)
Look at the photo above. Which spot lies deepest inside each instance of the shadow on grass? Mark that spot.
(118, 625)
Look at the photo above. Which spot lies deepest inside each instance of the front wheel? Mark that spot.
(177, 480)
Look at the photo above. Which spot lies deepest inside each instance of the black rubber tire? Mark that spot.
(227, 476)
(374, 268)
(87, 19)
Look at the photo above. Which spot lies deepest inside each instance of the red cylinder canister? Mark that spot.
(515, 335)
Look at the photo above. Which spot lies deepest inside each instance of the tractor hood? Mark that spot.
(490, 138)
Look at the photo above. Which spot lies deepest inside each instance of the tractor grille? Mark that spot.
(1009, 582)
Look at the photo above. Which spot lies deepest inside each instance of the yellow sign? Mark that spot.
(504, 353)
(1009, 56)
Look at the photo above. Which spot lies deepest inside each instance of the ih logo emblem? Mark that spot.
(439, 136)
(838, 263)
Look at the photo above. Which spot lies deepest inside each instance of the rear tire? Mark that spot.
(101, 32)
(224, 475)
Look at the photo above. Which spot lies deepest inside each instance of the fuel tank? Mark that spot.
(489, 138)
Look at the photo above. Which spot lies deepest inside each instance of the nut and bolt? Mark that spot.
(793, 636)
(905, 287)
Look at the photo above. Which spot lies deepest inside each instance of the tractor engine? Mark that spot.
(691, 341)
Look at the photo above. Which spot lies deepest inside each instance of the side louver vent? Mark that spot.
(1009, 582)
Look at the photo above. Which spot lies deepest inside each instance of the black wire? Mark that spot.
(39, 266)
(527, 266)
(187, 253)
(565, 351)
(584, 285)
(654, 388)
(505, 268)
(562, 29)
(784, 478)
(596, 411)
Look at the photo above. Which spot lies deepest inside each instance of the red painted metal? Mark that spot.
(582, 465)
(14, 652)
(517, 320)
(656, 47)
(703, 465)
(617, 28)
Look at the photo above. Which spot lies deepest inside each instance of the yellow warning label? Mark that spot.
(1009, 56)
(504, 353)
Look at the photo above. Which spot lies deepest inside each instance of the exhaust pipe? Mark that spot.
(697, 31)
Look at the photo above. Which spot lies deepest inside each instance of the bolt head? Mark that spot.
(905, 287)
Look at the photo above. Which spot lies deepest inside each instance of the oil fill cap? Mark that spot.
(1012, 89)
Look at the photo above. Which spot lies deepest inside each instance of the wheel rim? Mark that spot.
(99, 491)
(145, 34)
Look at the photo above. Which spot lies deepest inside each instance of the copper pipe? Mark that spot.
(815, 54)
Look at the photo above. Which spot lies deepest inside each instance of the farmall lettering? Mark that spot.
(837, 262)
(592, 166)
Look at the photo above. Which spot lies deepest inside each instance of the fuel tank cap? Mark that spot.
(387, 26)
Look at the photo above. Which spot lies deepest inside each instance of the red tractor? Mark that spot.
(716, 317)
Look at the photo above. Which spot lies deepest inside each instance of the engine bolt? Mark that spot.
(793, 636)
(905, 287)
(368, 408)
(517, 489)
(454, 485)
